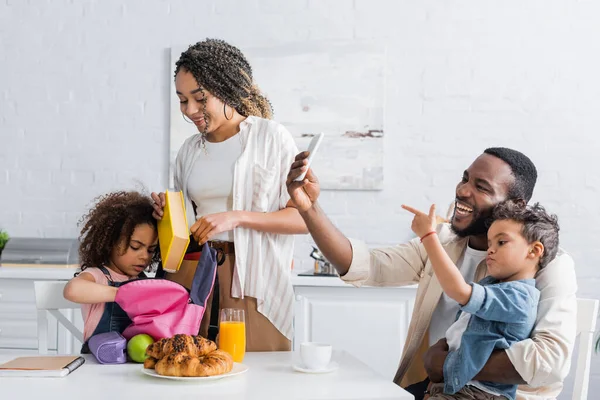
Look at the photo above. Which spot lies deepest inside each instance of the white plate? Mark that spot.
(237, 369)
(330, 368)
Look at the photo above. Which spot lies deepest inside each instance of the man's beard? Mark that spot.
(479, 226)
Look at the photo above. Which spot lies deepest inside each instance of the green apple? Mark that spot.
(137, 345)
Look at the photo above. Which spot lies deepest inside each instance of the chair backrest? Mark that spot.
(587, 312)
(49, 299)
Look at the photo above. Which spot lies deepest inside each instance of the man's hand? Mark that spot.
(428, 392)
(422, 223)
(303, 194)
(210, 225)
(434, 359)
(500, 369)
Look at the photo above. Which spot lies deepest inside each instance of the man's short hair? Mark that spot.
(522, 168)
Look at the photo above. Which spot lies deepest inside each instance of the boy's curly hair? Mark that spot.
(110, 223)
(538, 225)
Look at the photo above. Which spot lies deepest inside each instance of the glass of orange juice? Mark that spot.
(232, 333)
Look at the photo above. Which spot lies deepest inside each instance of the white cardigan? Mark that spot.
(262, 260)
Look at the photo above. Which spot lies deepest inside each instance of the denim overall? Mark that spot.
(113, 319)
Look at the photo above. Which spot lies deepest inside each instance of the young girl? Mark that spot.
(232, 174)
(118, 242)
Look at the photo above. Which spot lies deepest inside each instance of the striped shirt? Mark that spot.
(262, 260)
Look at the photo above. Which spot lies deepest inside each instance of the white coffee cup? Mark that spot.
(315, 355)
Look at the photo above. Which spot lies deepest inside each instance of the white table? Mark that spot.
(270, 377)
(326, 310)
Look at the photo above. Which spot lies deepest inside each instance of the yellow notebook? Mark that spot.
(173, 232)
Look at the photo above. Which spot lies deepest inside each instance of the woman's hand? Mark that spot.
(305, 193)
(210, 225)
(159, 204)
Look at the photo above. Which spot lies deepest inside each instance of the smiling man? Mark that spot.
(539, 364)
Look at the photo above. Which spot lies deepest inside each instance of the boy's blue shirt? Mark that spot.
(502, 313)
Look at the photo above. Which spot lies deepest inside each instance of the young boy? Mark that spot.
(500, 309)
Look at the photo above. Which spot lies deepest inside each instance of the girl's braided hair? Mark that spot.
(224, 71)
(110, 223)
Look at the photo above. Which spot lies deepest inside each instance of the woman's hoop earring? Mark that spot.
(189, 121)
(225, 113)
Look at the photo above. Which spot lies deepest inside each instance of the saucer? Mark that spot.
(330, 368)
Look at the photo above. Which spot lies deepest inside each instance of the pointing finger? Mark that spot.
(412, 210)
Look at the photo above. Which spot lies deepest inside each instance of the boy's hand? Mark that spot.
(422, 223)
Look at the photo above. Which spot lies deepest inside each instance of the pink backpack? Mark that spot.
(163, 308)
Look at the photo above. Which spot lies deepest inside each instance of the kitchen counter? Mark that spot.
(37, 273)
(67, 273)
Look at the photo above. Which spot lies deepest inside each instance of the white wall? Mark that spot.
(84, 102)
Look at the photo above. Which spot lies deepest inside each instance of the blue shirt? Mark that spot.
(502, 313)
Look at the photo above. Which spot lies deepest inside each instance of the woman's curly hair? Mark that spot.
(224, 71)
(110, 224)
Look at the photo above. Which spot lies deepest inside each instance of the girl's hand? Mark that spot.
(210, 225)
(83, 289)
(159, 204)
(422, 223)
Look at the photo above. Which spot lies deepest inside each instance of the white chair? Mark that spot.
(49, 299)
(587, 311)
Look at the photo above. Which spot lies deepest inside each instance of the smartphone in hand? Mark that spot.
(312, 149)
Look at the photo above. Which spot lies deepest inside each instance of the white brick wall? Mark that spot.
(84, 102)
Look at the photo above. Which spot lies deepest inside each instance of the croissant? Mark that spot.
(150, 362)
(195, 346)
(217, 362)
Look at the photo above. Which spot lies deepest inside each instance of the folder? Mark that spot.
(41, 366)
(173, 232)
